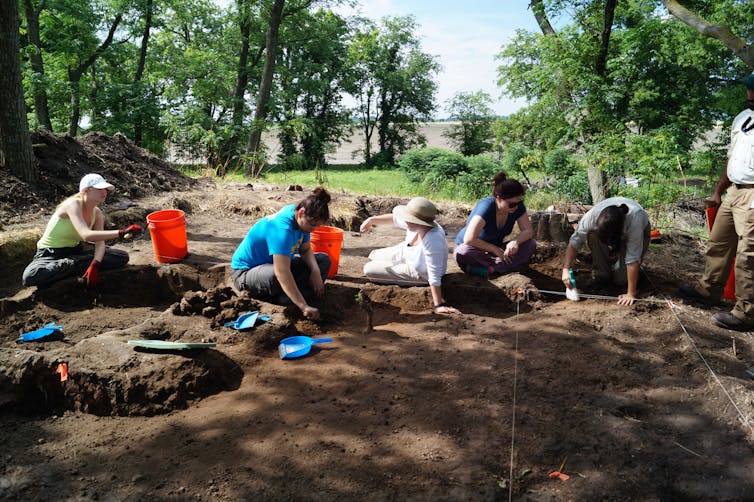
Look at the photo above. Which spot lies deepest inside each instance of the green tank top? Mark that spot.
(60, 233)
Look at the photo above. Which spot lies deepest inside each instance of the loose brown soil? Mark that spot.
(640, 403)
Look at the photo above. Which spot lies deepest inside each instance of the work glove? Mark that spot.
(129, 231)
(91, 276)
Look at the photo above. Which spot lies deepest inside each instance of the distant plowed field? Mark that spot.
(350, 151)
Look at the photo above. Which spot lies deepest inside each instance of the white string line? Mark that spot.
(691, 340)
(709, 368)
(513, 419)
(597, 297)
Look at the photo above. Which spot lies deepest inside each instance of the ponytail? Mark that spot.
(316, 205)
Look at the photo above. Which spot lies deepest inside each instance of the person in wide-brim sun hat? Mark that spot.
(420, 260)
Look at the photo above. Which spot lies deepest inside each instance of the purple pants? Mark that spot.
(467, 256)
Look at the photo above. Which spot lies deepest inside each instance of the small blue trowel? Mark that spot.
(47, 330)
(247, 321)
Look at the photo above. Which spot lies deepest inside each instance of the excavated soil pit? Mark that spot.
(422, 406)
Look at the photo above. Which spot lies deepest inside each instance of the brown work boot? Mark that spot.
(691, 293)
(729, 321)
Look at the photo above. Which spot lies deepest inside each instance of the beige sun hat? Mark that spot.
(418, 210)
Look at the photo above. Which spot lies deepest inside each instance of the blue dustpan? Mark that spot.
(247, 321)
(297, 346)
(48, 329)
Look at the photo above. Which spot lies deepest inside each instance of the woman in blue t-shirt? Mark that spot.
(481, 248)
(275, 260)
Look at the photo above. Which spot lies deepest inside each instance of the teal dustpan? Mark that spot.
(165, 345)
(247, 321)
(297, 346)
(47, 330)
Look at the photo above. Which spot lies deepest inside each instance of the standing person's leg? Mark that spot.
(743, 217)
(518, 261)
(473, 260)
(721, 249)
(602, 264)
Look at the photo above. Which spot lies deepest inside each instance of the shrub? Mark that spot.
(574, 188)
(295, 162)
(558, 162)
(426, 165)
(477, 182)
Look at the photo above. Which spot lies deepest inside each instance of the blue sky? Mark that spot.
(466, 36)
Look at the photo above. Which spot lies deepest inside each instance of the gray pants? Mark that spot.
(52, 264)
(261, 282)
(611, 266)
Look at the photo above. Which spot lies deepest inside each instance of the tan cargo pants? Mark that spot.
(732, 236)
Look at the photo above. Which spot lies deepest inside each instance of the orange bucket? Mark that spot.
(328, 240)
(730, 287)
(168, 231)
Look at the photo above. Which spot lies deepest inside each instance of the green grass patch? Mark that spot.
(361, 180)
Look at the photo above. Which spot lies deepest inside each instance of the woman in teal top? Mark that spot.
(78, 219)
(275, 260)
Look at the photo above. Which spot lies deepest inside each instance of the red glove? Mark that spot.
(129, 231)
(92, 274)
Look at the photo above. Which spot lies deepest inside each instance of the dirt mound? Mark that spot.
(63, 160)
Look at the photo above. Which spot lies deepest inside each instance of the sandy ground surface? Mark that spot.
(641, 403)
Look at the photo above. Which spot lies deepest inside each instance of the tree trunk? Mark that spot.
(74, 77)
(607, 27)
(597, 184)
(229, 150)
(138, 128)
(265, 88)
(74, 86)
(38, 85)
(15, 144)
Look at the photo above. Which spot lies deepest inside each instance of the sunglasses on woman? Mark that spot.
(513, 203)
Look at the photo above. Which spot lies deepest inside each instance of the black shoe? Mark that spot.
(691, 293)
(729, 321)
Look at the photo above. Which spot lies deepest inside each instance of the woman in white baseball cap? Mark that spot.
(78, 219)
(420, 260)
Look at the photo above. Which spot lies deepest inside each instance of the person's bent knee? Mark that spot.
(115, 258)
(324, 262)
(461, 252)
(30, 280)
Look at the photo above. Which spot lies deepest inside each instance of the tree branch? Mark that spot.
(538, 8)
(723, 33)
